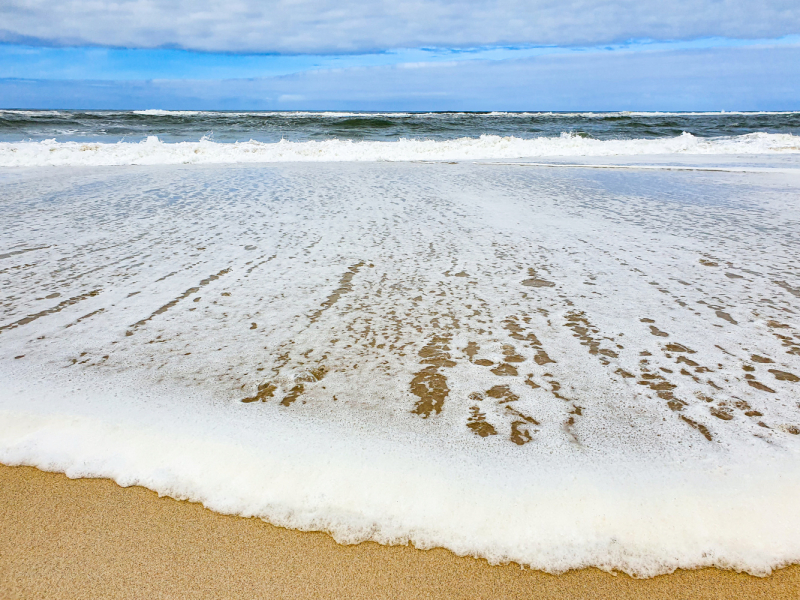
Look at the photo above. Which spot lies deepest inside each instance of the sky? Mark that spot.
(401, 54)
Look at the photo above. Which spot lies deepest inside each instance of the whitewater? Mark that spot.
(152, 151)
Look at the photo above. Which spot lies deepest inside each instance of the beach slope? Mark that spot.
(90, 538)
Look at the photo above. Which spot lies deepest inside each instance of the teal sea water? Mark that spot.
(191, 126)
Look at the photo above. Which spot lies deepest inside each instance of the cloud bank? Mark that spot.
(343, 26)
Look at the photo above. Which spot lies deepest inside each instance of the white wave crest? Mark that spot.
(155, 112)
(153, 151)
(288, 114)
(628, 113)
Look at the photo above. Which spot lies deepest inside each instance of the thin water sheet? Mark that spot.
(510, 317)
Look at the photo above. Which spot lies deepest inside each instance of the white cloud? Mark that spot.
(330, 26)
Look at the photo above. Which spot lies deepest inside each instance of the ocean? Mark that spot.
(558, 340)
(32, 138)
(191, 126)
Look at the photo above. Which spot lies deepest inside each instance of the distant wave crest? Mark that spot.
(152, 151)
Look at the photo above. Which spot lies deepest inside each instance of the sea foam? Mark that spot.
(560, 367)
(616, 513)
(152, 151)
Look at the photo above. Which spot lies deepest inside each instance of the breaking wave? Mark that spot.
(152, 151)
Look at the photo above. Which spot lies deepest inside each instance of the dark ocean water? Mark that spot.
(174, 126)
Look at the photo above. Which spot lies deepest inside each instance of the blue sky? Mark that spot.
(418, 55)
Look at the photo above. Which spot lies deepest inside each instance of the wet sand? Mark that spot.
(90, 538)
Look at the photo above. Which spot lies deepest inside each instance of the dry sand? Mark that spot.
(90, 538)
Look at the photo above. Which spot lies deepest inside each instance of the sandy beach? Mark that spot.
(90, 538)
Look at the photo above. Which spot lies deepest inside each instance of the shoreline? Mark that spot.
(90, 538)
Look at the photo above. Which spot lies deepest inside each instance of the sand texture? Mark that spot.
(90, 538)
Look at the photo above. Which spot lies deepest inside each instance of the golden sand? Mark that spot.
(90, 538)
